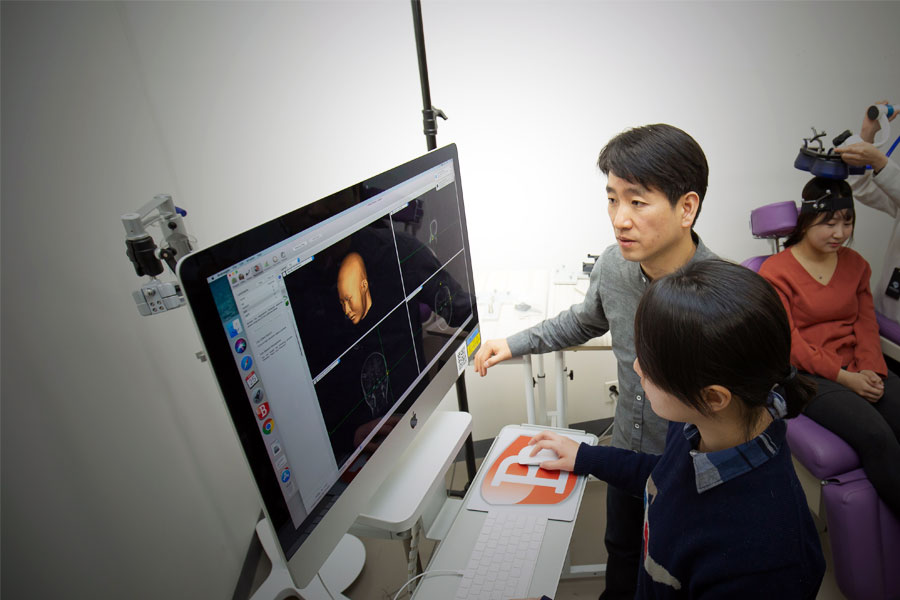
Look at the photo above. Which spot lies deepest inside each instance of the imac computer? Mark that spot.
(334, 331)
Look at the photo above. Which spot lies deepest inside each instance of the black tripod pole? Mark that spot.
(428, 117)
(429, 124)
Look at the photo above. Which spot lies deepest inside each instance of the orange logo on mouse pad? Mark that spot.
(508, 482)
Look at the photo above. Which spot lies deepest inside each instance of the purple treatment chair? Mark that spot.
(864, 534)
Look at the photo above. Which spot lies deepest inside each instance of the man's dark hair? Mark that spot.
(816, 189)
(658, 157)
(717, 323)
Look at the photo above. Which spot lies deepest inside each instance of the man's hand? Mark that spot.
(490, 353)
(565, 448)
(861, 154)
(863, 383)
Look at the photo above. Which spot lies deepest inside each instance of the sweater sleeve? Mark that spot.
(867, 354)
(624, 469)
(804, 355)
(578, 324)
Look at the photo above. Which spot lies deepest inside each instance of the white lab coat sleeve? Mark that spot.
(882, 191)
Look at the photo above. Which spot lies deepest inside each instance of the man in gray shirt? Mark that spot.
(657, 178)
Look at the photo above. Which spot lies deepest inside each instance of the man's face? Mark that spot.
(645, 223)
(353, 293)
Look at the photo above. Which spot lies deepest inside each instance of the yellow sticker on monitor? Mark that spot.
(474, 340)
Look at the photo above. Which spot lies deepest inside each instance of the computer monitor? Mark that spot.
(334, 331)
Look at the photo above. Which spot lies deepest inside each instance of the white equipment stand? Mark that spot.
(415, 491)
(339, 571)
(414, 497)
(548, 294)
(455, 549)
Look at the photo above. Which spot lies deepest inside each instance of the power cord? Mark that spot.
(435, 572)
(325, 587)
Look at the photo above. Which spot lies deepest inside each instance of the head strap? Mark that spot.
(830, 201)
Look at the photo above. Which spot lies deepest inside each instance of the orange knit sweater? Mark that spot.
(832, 326)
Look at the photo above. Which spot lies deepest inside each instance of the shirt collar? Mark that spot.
(714, 468)
(701, 252)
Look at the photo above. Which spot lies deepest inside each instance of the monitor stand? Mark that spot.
(339, 571)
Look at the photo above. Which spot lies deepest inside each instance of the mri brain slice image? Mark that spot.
(375, 384)
(443, 305)
(433, 232)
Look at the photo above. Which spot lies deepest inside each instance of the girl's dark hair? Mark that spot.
(659, 157)
(717, 323)
(815, 189)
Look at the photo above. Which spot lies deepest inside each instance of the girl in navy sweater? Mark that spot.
(724, 513)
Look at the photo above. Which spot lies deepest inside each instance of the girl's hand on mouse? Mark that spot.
(565, 448)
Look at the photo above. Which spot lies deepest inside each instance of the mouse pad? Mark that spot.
(503, 482)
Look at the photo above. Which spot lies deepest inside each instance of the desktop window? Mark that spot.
(335, 328)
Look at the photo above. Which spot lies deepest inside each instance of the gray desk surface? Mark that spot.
(454, 551)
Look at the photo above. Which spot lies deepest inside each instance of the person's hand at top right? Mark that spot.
(861, 154)
(870, 127)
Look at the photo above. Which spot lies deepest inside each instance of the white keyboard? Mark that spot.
(504, 556)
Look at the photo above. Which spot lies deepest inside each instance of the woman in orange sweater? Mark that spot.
(834, 335)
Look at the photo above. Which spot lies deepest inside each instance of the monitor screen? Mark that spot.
(333, 331)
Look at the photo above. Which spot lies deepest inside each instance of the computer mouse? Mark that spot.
(523, 307)
(542, 455)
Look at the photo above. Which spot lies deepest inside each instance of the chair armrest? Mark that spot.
(890, 336)
(822, 452)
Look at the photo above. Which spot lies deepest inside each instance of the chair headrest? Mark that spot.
(773, 220)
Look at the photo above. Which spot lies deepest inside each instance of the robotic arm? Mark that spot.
(156, 296)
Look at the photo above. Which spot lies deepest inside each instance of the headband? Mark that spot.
(830, 201)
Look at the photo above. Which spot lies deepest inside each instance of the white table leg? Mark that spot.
(529, 389)
(562, 391)
(541, 378)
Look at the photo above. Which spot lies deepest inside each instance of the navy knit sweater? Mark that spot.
(747, 534)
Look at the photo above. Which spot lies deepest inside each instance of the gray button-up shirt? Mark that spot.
(612, 299)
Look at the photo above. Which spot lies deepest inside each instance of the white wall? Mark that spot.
(121, 477)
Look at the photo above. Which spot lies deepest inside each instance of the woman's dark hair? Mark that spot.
(659, 157)
(816, 189)
(717, 323)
